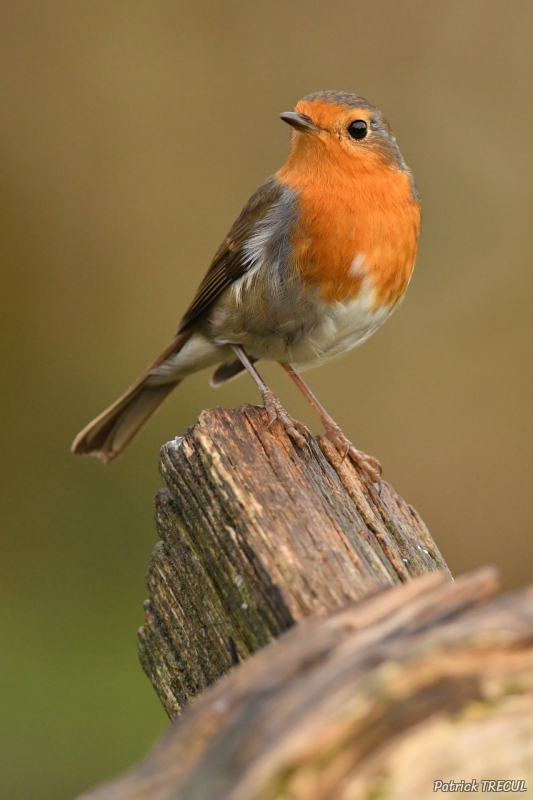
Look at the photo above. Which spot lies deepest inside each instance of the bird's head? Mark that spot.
(344, 127)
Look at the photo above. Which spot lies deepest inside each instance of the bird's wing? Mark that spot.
(228, 264)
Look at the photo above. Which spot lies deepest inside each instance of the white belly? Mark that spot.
(294, 325)
(343, 326)
(317, 331)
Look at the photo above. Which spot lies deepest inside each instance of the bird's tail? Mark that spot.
(110, 433)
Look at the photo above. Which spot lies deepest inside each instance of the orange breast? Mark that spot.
(356, 224)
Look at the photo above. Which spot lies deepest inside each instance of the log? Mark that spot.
(257, 535)
(430, 680)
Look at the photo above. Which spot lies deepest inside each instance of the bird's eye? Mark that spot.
(357, 129)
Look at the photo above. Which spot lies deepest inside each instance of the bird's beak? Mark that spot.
(300, 121)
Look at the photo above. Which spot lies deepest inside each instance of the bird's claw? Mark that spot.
(296, 430)
(368, 464)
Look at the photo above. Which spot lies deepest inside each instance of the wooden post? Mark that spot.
(256, 535)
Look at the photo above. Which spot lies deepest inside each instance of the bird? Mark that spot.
(317, 260)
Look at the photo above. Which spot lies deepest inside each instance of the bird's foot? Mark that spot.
(296, 430)
(368, 464)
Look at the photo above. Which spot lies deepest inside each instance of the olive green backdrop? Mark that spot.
(131, 133)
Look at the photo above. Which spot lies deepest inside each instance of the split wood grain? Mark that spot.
(256, 535)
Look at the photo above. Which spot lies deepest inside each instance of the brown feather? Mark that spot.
(227, 265)
(109, 434)
(228, 371)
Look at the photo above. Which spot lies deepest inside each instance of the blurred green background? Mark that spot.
(131, 133)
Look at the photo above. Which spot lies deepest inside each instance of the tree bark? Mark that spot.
(256, 535)
(421, 682)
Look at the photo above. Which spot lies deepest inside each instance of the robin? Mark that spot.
(317, 260)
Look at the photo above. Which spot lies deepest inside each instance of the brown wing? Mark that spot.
(227, 264)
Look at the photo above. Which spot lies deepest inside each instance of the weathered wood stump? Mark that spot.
(424, 681)
(256, 535)
(377, 690)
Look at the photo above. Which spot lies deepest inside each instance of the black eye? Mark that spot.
(357, 129)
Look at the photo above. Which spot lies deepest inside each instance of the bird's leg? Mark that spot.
(370, 465)
(275, 410)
